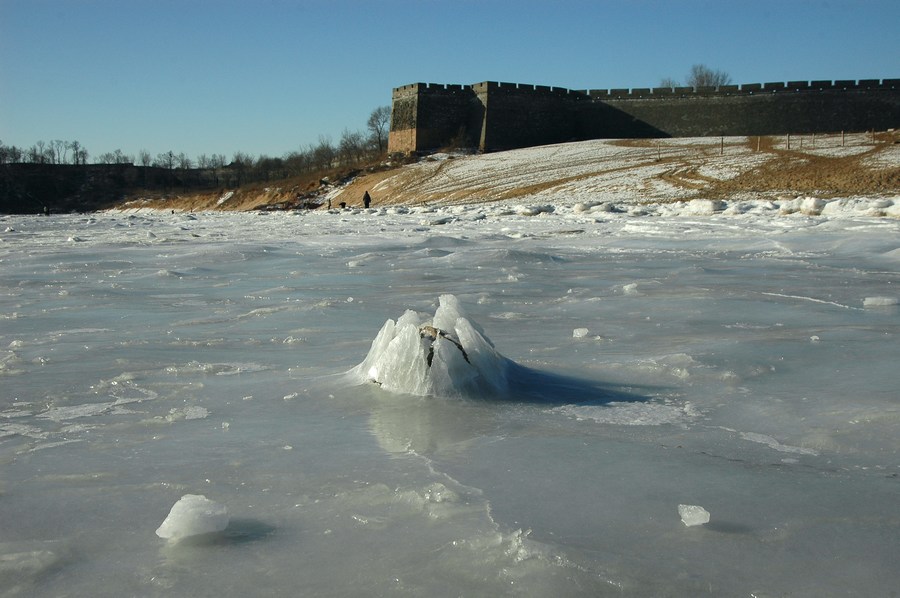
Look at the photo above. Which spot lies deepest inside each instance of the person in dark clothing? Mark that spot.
(367, 199)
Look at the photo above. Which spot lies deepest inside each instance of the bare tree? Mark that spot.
(10, 154)
(703, 76)
(216, 163)
(165, 160)
(58, 150)
(669, 82)
(297, 162)
(79, 154)
(116, 157)
(352, 147)
(378, 124)
(241, 163)
(38, 152)
(242, 158)
(144, 158)
(268, 168)
(121, 157)
(322, 154)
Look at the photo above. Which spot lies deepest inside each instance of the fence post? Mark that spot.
(842, 139)
(789, 141)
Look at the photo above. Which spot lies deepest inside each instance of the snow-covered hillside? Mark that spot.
(646, 172)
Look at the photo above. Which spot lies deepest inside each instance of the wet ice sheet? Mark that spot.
(732, 362)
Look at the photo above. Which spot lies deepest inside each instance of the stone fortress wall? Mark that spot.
(493, 116)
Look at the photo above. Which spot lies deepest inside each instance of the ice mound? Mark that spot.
(444, 355)
(193, 515)
(692, 515)
(880, 301)
(703, 207)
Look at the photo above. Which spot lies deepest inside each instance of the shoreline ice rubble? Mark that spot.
(444, 355)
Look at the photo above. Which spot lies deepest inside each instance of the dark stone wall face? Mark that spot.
(428, 117)
(404, 110)
(517, 119)
(403, 113)
(758, 114)
(498, 116)
(445, 118)
(602, 120)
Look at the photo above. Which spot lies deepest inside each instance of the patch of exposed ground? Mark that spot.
(808, 172)
(687, 176)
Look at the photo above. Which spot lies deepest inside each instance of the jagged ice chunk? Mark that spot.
(193, 515)
(692, 515)
(446, 355)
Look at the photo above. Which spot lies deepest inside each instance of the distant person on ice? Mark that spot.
(367, 199)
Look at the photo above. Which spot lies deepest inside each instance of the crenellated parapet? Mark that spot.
(744, 89)
(495, 115)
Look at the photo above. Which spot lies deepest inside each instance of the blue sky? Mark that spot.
(273, 76)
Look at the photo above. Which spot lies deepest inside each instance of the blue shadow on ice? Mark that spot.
(529, 385)
(238, 531)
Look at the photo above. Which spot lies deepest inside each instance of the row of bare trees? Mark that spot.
(57, 151)
(354, 147)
